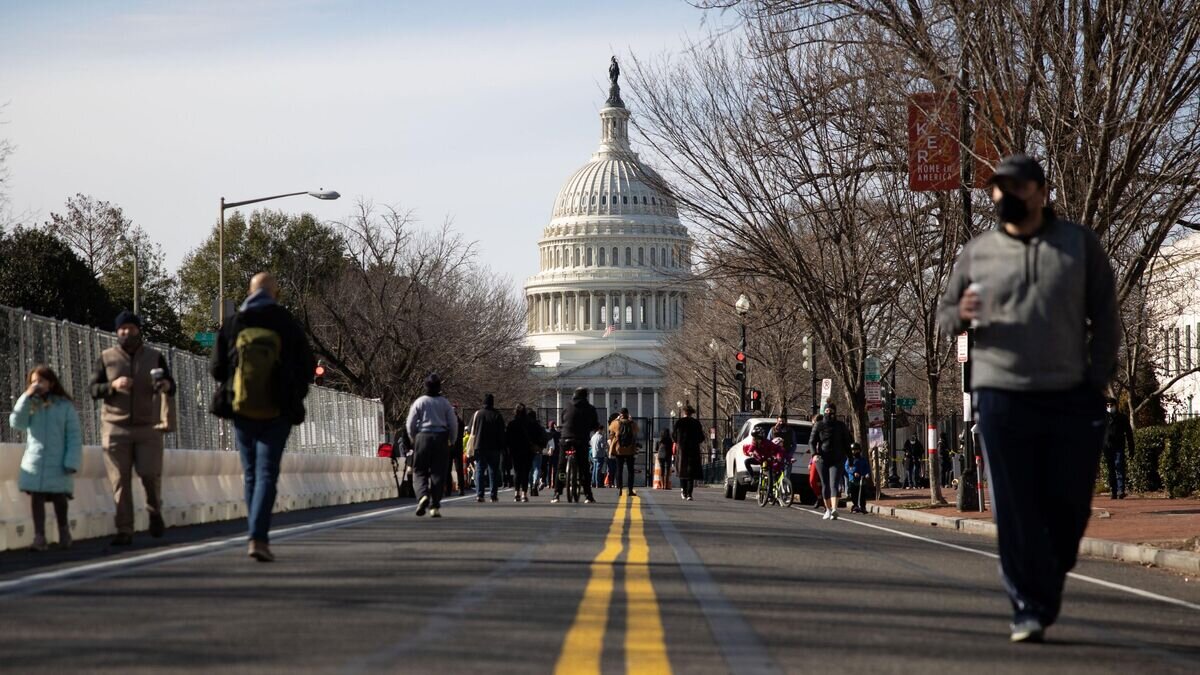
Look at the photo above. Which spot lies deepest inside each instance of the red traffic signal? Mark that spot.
(755, 394)
(741, 357)
(319, 374)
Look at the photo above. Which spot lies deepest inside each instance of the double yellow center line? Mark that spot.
(645, 645)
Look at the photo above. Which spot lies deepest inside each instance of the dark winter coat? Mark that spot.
(832, 441)
(487, 430)
(517, 437)
(689, 436)
(297, 364)
(579, 420)
(1118, 434)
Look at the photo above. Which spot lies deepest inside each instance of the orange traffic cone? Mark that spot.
(658, 477)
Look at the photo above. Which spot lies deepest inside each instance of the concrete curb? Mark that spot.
(1176, 561)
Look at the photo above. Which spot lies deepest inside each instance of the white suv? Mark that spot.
(741, 472)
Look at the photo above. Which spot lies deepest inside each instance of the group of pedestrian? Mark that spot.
(262, 364)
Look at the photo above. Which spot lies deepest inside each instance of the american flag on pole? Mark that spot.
(609, 328)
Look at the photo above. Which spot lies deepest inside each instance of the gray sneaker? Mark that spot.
(1028, 630)
(435, 512)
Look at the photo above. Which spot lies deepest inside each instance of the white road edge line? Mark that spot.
(83, 572)
(1074, 575)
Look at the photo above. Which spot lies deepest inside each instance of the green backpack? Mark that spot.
(257, 370)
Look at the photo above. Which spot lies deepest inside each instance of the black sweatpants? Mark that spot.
(1042, 451)
(431, 465)
(522, 464)
(624, 462)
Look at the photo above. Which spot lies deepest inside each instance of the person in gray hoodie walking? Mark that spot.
(431, 425)
(1039, 293)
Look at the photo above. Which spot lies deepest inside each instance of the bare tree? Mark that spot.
(771, 153)
(94, 230)
(410, 302)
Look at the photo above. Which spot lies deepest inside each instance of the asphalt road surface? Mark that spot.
(648, 585)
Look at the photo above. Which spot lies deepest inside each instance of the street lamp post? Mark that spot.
(743, 308)
(319, 194)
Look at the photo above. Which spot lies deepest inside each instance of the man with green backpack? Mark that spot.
(263, 364)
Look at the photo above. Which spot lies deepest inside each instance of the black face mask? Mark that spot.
(130, 343)
(1010, 209)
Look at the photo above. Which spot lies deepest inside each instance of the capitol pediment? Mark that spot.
(613, 365)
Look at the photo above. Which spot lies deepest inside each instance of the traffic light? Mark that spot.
(807, 352)
(319, 374)
(755, 399)
(740, 367)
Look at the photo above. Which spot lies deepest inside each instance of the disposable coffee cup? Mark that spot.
(984, 314)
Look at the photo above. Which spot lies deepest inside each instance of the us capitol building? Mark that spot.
(613, 265)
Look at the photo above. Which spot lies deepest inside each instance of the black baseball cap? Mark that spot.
(1019, 167)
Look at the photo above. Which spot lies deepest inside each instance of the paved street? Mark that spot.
(647, 585)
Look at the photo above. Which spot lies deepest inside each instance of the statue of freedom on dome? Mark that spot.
(614, 89)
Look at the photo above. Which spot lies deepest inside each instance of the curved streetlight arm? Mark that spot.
(230, 205)
(319, 194)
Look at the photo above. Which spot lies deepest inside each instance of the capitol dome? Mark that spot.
(613, 265)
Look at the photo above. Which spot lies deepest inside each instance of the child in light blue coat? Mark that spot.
(53, 451)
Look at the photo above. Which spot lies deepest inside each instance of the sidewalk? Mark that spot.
(1141, 528)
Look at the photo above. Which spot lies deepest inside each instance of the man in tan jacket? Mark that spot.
(130, 379)
(623, 445)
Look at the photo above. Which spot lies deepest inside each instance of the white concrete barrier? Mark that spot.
(199, 486)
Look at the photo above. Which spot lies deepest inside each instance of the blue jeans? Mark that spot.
(261, 444)
(488, 462)
(597, 470)
(1042, 451)
(535, 471)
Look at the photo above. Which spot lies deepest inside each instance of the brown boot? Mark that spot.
(260, 551)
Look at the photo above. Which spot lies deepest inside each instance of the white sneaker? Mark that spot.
(422, 505)
(435, 512)
(828, 515)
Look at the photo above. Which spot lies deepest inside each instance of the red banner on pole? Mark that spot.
(933, 145)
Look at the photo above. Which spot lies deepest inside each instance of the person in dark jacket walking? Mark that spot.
(831, 445)
(912, 462)
(488, 442)
(545, 466)
(663, 449)
(579, 421)
(688, 435)
(263, 365)
(1040, 294)
(1118, 443)
(520, 450)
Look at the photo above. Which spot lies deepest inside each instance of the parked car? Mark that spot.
(741, 472)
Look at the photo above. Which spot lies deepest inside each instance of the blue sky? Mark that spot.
(474, 111)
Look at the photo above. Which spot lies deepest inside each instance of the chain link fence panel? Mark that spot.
(337, 423)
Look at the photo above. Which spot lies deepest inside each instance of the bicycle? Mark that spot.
(571, 479)
(774, 487)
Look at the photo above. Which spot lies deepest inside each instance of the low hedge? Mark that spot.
(1163, 458)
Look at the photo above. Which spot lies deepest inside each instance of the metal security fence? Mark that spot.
(337, 423)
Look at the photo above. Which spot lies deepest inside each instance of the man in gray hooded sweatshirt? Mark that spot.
(1040, 295)
(431, 424)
